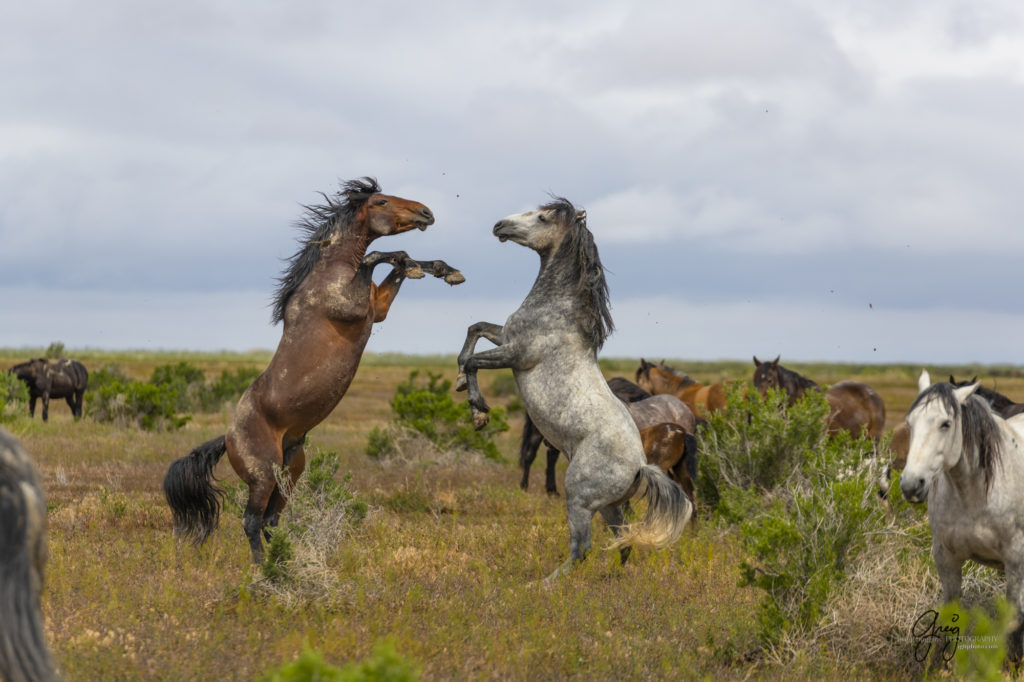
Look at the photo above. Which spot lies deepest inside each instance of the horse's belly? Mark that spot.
(570, 408)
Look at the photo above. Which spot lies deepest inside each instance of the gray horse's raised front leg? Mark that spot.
(501, 357)
(480, 330)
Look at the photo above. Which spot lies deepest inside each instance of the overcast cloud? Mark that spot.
(826, 181)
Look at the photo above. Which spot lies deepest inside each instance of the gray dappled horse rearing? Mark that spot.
(968, 463)
(551, 345)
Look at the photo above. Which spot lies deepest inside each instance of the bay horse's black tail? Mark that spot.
(194, 499)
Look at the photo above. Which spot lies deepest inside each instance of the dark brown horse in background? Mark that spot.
(670, 444)
(328, 302)
(700, 398)
(64, 378)
(853, 406)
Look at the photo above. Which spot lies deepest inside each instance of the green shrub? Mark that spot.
(802, 502)
(55, 351)
(320, 513)
(756, 443)
(227, 388)
(149, 407)
(428, 408)
(14, 394)
(383, 665)
(186, 381)
(104, 376)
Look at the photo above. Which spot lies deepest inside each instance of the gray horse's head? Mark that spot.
(558, 232)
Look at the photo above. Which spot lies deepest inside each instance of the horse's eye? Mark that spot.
(382, 202)
(945, 425)
(541, 218)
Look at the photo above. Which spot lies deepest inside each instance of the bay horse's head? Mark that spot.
(381, 214)
(767, 375)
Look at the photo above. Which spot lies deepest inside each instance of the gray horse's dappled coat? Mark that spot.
(24, 655)
(551, 345)
(968, 463)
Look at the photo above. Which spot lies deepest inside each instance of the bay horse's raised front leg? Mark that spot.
(404, 267)
(480, 330)
(502, 357)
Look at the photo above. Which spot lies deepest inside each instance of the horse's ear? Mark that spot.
(964, 392)
(757, 363)
(776, 360)
(952, 380)
(923, 381)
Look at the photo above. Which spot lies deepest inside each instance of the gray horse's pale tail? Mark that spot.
(668, 512)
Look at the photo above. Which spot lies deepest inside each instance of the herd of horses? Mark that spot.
(622, 438)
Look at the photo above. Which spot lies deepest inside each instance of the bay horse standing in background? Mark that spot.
(64, 378)
(328, 302)
(853, 406)
(701, 398)
(24, 656)
(551, 344)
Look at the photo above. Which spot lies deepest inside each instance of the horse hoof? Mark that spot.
(460, 382)
(414, 272)
(454, 278)
(480, 420)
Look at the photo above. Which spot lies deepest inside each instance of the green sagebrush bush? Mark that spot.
(383, 665)
(321, 511)
(803, 503)
(159, 403)
(428, 408)
(13, 394)
(133, 403)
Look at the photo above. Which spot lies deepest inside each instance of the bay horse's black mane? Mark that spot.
(979, 427)
(579, 251)
(318, 222)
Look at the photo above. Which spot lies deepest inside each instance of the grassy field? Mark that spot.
(445, 566)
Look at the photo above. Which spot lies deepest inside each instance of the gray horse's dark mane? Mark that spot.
(580, 252)
(318, 221)
(978, 424)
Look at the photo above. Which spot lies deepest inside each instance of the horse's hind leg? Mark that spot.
(295, 460)
(579, 538)
(549, 474)
(615, 519)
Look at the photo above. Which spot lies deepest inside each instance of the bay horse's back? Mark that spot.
(857, 408)
(23, 651)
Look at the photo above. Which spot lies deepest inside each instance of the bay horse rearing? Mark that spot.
(551, 344)
(328, 302)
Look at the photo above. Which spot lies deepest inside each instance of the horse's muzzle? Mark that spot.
(914, 489)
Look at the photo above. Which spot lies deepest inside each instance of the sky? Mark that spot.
(832, 181)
